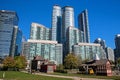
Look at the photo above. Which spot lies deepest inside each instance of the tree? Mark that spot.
(20, 62)
(79, 59)
(71, 61)
(9, 62)
(118, 61)
(60, 67)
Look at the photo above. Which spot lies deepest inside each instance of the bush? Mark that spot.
(60, 67)
(61, 71)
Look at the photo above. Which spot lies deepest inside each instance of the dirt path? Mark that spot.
(72, 77)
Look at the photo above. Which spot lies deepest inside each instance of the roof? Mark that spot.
(97, 62)
(101, 62)
(39, 58)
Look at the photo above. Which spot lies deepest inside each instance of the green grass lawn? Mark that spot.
(89, 76)
(14, 75)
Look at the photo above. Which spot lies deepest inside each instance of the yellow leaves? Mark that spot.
(71, 61)
(18, 61)
(9, 62)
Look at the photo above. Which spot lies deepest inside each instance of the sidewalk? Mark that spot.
(72, 77)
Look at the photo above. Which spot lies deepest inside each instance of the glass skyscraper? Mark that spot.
(19, 37)
(63, 38)
(117, 45)
(16, 43)
(72, 38)
(47, 49)
(40, 44)
(67, 20)
(88, 51)
(39, 32)
(110, 54)
(25, 50)
(56, 23)
(101, 42)
(84, 25)
(8, 20)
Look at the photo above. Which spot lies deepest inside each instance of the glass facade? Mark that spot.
(72, 38)
(39, 32)
(50, 50)
(117, 41)
(13, 41)
(110, 54)
(18, 43)
(25, 50)
(63, 31)
(87, 51)
(81, 36)
(56, 23)
(67, 20)
(8, 19)
(101, 42)
(40, 44)
(84, 25)
(117, 45)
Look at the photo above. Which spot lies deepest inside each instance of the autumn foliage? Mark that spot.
(71, 61)
(18, 62)
(9, 62)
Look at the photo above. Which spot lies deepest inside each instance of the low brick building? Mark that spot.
(100, 67)
(43, 65)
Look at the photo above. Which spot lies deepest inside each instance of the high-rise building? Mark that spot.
(56, 23)
(13, 43)
(16, 44)
(8, 21)
(39, 32)
(67, 20)
(108, 50)
(117, 45)
(84, 25)
(72, 38)
(63, 38)
(110, 54)
(47, 49)
(19, 38)
(101, 42)
(88, 51)
(40, 44)
(81, 36)
(25, 50)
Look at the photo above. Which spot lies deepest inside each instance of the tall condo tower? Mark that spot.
(39, 32)
(117, 41)
(101, 42)
(8, 20)
(67, 20)
(56, 23)
(117, 45)
(84, 25)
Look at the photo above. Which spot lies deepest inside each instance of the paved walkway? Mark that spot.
(72, 77)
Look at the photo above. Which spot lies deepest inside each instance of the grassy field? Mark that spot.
(14, 75)
(89, 76)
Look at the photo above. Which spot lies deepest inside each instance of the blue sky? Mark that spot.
(104, 15)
